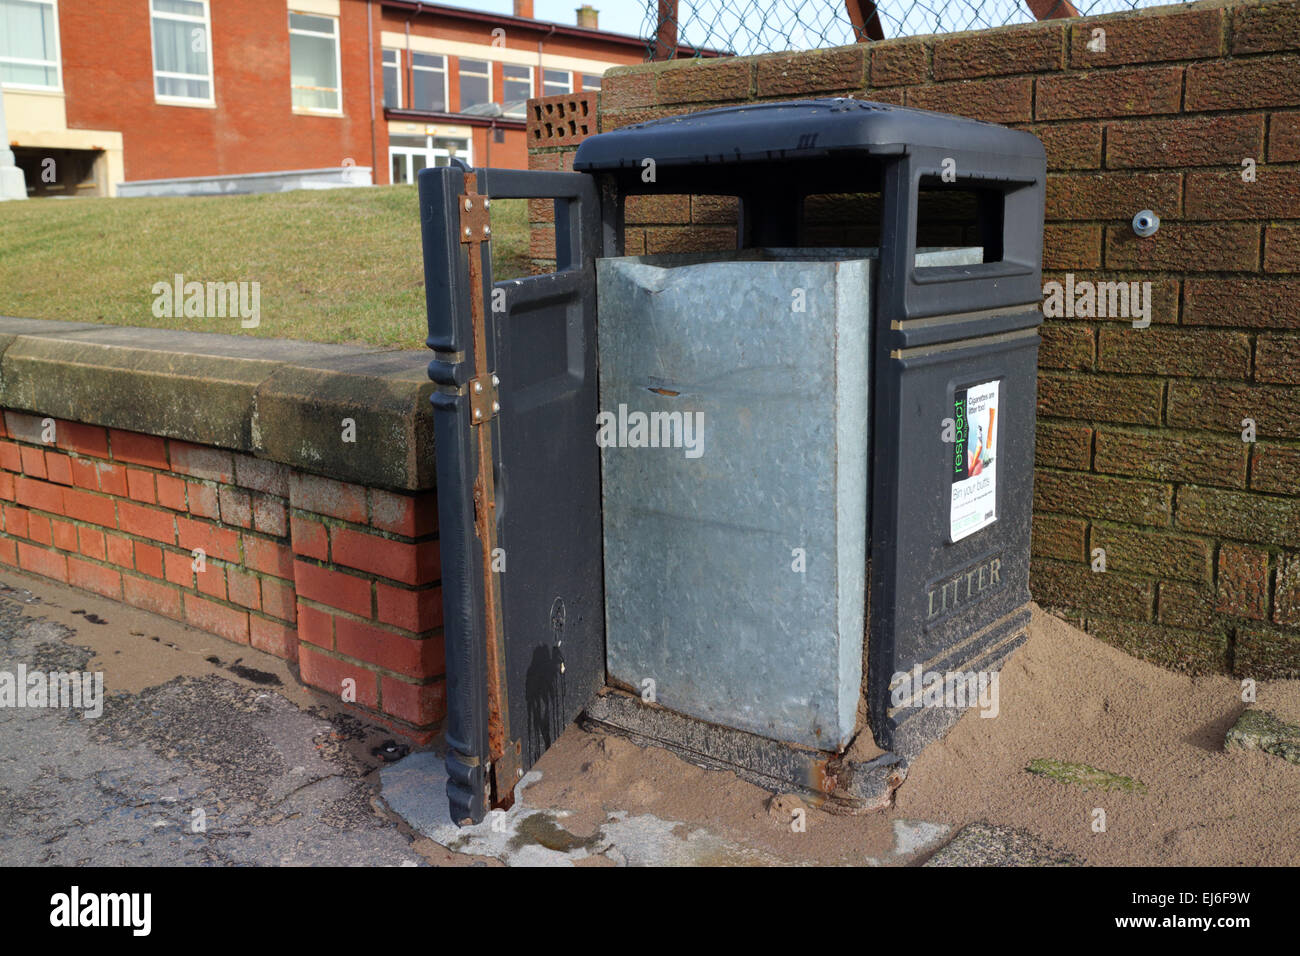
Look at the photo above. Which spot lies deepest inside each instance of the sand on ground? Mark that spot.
(1063, 695)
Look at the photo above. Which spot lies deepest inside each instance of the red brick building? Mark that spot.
(200, 88)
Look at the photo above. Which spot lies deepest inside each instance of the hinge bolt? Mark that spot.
(496, 406)
(478, 386)
(469, 204)
(478, 413)
(487, 231)
(467, 231)
(487, 203)
(495, 380)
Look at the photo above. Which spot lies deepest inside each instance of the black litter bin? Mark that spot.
(948, 344)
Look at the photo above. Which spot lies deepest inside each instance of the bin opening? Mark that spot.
(947, 216)
(841, 219)
(955, 214)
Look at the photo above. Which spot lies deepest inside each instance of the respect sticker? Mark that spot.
(974, 463)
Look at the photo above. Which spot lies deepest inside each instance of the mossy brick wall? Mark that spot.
(1140, 449)
(337, 578)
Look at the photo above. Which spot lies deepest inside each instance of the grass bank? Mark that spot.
(337, 265)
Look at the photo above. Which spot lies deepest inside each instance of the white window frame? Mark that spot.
(446, 80)
(546, 91)
(384, 66)
(460, 72)
(532, 79)
(598, 77)
(336, 36)
(211, 99)
(58, 59)
(429, 153)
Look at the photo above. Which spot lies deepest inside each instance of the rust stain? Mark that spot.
(825, 776)
(474, 231)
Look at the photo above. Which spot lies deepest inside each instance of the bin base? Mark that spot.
(909, 730)
(831, 781)
(827, 780)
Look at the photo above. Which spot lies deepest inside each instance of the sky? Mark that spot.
(620, 16)
(746, 26)
(761, 26)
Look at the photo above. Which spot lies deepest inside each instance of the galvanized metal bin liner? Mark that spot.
(735, 572)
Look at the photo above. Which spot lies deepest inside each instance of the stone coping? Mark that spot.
(277, 399)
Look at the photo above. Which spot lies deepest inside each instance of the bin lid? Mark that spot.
(799, 129)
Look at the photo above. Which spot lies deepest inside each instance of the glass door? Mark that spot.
(409, 154)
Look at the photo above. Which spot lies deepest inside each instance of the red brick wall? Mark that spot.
(339, 579)
(1140, 449)
(513, 153)
(514, 36)
(108, 78)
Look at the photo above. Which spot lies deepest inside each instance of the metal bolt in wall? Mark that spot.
(1146, 223)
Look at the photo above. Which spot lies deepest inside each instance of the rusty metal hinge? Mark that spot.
(504, 750)
(507, 770)
(484, 399)
(475, 218)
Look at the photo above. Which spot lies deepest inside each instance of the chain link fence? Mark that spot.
(744, 27)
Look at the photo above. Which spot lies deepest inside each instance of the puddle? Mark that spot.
(528, 835)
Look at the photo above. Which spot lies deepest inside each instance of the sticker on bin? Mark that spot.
(974, 474)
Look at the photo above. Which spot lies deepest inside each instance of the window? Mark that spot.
(475, 83)
(29, 44)
(428, 82)
(556, 81)
(518, 83)
(407, 155)
(591, 81)
(393, 79)
(182, 55)
(314, 63)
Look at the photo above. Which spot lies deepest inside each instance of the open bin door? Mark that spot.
(518, 474)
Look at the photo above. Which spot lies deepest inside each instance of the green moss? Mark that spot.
(1085, 776)
(1260, 730)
